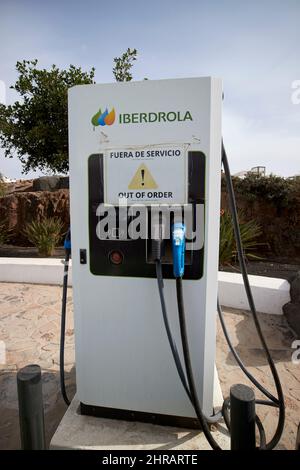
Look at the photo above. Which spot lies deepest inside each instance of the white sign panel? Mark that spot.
(151, 174)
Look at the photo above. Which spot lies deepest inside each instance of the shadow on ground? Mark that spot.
(247, 343)
(54, 406)
(279, 339)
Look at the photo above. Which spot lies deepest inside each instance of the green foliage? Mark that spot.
(250, 231)
(44, 234)
(36, 127)
(123, 65)
(281, 191)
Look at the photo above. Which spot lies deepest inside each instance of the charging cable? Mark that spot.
(274, 401)
(178, 257)
(67, 246)
(178, 250)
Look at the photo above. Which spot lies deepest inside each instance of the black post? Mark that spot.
(31, 411)
(242, 417)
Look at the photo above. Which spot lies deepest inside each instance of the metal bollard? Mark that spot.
(242, 417)
(31, 411)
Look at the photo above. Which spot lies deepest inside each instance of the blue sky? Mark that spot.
(253, 46)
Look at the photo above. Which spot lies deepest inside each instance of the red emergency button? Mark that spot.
(116, 257)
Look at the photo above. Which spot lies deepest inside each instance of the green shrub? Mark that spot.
(44, 234)
(281, 191)
(250, 231)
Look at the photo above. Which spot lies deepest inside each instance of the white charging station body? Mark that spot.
(123, 359)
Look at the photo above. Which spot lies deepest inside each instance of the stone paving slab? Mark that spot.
(30, 324)
(90, 433)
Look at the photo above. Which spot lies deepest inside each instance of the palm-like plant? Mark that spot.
(44, 234)
(250, 231)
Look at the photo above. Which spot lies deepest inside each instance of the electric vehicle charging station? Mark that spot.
(136, 148)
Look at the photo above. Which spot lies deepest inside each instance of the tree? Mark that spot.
(36, 127)
(123, 65)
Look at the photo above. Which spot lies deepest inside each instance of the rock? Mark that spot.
(46, 183)
(50, 183)
(19, 186)
(295, 288)
(64, 182)
(291, 311)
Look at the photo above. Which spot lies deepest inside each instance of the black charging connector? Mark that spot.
(157, 248)
(158, 242)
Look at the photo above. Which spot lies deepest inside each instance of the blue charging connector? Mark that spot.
(178, 249)
(67, 241)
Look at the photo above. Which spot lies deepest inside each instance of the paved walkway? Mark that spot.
(30, 324)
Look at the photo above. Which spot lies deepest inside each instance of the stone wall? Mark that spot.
(280, 226)
(18, 208)
(44, 197)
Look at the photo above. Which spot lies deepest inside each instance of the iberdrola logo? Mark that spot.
(104, 119)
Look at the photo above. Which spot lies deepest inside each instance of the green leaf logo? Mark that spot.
(95, 118)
